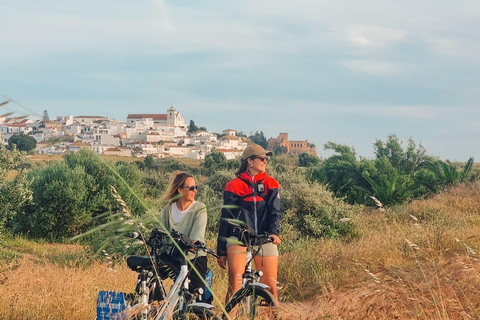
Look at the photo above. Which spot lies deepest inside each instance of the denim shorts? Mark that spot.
(268, 249)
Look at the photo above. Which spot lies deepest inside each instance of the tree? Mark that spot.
(241, 134)
(73, 195)
(278, 150)
(60, 203)
(13, 193)
(45, 116)
(307, 160)
(259, 138)
(445, 174)
(214, 160)
(192, 128)
(22, 142)
(342, 173)
(408, 160)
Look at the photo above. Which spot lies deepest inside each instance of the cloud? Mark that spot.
(375, 67)
(372, 37)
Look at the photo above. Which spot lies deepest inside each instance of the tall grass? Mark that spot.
(415, 261)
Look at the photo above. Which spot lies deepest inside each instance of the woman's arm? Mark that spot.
(164, 218)
(273, 207)
(225, 230)
(199, 223)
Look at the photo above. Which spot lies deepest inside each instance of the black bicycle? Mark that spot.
(253, 300)
(150, 299)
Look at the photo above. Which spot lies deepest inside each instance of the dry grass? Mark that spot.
(46, 291)
(417, 261)
(412, 262)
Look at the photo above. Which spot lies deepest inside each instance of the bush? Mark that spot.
(307, 160)
(312, 210)
(69, 194)
(219, 180)
(167, 164)
(60, 203)
(13, 195)
(155, 182)
(213, 200)
(22, 142)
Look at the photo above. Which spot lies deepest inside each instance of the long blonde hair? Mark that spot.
(177, 182)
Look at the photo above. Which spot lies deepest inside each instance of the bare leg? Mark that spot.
(269, 267)
(236, 259)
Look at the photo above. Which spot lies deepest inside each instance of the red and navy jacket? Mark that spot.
(260, 210)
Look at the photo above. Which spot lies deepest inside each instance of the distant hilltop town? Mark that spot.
(157, 135)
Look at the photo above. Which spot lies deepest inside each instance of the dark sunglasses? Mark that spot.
(191, 188)
(263, 159)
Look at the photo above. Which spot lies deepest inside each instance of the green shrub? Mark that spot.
(213, 200)
(219, 180)
(155, 182)
(13, 195)
(60, 204)
(67, 195)
(312, 209)
(22, 142)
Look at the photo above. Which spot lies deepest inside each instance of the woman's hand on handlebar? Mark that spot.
(222, 262)
(276, 239)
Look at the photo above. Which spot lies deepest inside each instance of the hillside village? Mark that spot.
(157, 135)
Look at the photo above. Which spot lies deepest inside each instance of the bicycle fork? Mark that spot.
(144, 293)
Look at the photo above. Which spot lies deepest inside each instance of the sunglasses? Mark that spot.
(263, 159)
(191, 188)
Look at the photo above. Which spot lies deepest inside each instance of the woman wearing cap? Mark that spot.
(187, 216)
(257, 198)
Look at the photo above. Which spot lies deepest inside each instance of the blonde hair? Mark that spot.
(177, 182)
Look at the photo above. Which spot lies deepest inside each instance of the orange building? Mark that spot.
(293, 147)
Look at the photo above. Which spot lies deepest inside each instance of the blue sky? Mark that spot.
(339, 71)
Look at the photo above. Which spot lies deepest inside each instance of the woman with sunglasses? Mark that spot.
(189, 217)
(257, 200)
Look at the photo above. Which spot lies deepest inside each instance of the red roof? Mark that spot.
(14, 125)
(147, 115)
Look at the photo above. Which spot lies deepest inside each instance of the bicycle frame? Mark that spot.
(250, 278)
(175, 301)
(249, 281)
(175, 297)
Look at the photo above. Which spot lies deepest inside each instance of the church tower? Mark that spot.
(174, 118)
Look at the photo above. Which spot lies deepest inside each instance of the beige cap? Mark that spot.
(255, 150)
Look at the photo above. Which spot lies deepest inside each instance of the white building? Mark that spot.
(65, 120)
(89, 119)
(105, 139)
(171, 118)
(230, 154)
(74, 128)
(232, 142)
(229, 132)
(118, 151)
(177, 151)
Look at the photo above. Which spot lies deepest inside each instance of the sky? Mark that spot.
(350, 72)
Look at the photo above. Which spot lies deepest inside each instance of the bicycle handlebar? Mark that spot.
(255, 239)
(160, 238)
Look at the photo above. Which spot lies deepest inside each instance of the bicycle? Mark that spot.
(253, 299)
(150, 300)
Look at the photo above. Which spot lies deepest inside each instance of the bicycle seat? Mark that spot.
(137, 262)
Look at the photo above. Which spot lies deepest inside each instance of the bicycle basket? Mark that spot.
(173, 253)
(158, 238)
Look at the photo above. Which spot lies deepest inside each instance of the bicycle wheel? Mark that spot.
(199, 313)
(252, 303)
